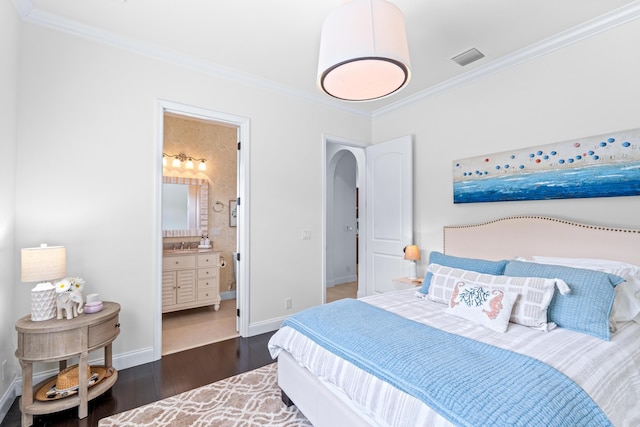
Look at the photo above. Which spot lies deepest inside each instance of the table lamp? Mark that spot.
(41, 265)
(412, 254)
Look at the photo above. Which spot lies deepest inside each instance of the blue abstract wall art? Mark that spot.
(597, 166)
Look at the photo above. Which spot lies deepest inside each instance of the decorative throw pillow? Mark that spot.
(626, 305)
(534, 293)
(490, 308)
(472, 264)
(587, 307)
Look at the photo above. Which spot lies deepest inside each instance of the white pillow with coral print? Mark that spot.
(490, 308)
(530, 309)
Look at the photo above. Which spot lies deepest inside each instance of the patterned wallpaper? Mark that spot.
(218, 144)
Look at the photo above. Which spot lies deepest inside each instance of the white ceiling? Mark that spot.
(274, 43)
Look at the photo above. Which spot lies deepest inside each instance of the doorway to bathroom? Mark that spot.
(211, 139)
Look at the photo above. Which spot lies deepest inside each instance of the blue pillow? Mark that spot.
(480, 265)
(587, 307)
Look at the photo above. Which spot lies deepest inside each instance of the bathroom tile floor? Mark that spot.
(187, 329)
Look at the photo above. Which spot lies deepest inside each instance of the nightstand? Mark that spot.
(406, 283)
(58, 340)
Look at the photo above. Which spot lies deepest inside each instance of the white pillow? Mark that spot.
(626, 304)
(530, 308)
(488, 307)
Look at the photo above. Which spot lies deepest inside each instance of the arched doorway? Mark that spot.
(343, 223)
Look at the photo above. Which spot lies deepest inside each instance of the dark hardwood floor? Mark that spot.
(171, 375)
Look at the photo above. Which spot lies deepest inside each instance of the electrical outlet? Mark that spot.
(288, 303)
(306, 234)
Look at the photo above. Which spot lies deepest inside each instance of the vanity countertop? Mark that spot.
(171, 252)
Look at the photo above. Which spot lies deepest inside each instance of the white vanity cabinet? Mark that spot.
(190, 280)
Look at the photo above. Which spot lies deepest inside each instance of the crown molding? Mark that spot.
(588, 29)
(583, 31)
(44, 19)
(24, 7)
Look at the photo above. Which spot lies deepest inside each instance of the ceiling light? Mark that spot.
(363, 51)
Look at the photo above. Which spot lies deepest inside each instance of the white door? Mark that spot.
(389, 209)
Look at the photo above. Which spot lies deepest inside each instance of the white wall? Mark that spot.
(9, 280)
(87, 123)
(588, 88)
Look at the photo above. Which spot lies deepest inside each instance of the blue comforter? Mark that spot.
(468, 382)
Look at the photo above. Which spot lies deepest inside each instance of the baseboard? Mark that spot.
(120, 361)
(341, 280)
(133, 358)
(228, 295)
(266, 326)
(7, 400)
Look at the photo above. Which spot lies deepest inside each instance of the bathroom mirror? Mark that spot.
(184, 206)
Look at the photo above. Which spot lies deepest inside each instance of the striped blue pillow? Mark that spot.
(587, 307)
(472, 264)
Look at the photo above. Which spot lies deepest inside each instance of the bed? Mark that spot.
(592, 355)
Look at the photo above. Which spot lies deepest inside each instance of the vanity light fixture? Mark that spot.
(179, 159)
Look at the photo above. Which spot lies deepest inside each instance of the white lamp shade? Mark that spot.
(43, 263)
(364, 53)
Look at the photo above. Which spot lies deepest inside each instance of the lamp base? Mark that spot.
(413, 270)
(43, 302)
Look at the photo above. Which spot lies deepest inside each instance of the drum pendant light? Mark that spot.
(363, 51)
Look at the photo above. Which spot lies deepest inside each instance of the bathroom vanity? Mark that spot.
(190, 279)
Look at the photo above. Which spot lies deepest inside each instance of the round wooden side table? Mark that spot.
(58, 340)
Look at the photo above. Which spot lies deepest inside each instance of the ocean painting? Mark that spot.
(597, 166)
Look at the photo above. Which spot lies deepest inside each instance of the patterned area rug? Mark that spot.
(249, 399)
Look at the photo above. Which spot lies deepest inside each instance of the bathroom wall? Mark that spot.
(218, 144)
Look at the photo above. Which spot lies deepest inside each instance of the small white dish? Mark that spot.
(93, 307)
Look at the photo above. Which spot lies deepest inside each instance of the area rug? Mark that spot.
(249, 399)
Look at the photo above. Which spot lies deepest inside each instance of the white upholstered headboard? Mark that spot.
(526, 236)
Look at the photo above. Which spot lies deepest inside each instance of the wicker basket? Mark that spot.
(68, 378)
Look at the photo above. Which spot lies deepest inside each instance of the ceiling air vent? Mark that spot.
(466, 58)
